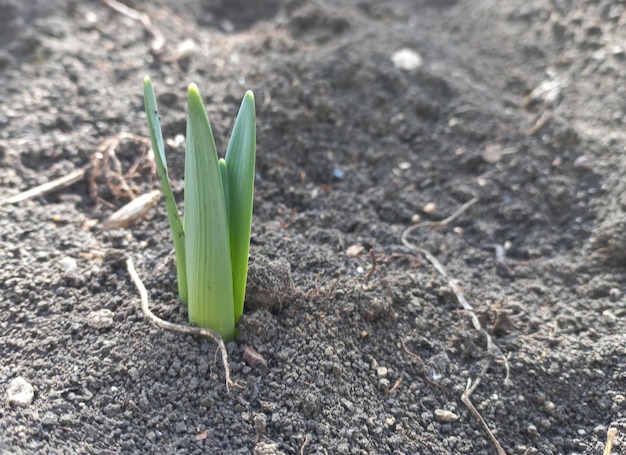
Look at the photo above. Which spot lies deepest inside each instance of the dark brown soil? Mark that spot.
(520, 103)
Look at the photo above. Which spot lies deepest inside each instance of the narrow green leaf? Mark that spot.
(176, 226)
(224, 175)
(207, 245)
(240, 160)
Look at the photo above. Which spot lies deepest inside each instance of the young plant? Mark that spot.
(213, 242)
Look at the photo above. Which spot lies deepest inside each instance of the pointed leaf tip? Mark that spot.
(249, 95)
(193, 89)
(146, 79)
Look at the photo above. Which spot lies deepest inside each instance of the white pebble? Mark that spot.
(20, 392)
(68, 264)
(101, 319)
(406, 59)
(430, 208)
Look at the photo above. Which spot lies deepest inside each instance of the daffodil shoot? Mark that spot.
(212, 242)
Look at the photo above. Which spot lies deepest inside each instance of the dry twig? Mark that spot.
(465, 398)
(158, 40)
(539, 123)
(304, 444)
(49, 187)
(458, 292)
(104, 162)
(610, 437)
(373, 268)
(492, 348)
(165, 325)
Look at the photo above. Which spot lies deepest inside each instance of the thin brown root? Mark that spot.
(373, 268)
(610, 437)
(422, 364)
(105, 163)
(395, 387)
(165, 325)
(465, 398)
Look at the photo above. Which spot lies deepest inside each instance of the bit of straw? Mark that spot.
(492, 348)
(610, 437)
(49, 187)
(158, 40)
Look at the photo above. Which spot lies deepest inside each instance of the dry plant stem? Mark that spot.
(610, 437)
(158, 41)
(54, 185)
(492, 348)
(304, 444)
(373, 268)
(104, 162)
(540, 123)
(422, 364)
(165, 325)
(465, 398)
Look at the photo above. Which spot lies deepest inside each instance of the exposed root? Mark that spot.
(492, 348)
(465, 398)
(610, 437)
(422, 364)
(373, 267)
(105, 163)
(49, 187)
(158, 40)
(165, 325)
(304, 444)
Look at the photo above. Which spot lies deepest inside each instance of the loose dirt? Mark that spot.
(372, 116)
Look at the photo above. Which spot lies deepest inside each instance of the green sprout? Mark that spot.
(212, 243)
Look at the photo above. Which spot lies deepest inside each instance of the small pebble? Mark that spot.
(492, 153)
(406, 59)
(260, 423)
(310, 405)
(430, 208)
(615, 294)
(441, 415)
(583, 163)
(549, 407)
(382, 372)
(49, 419)
(68, 264)
(20, 392)
(101, 319)
(384, 384)
(329, 351)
